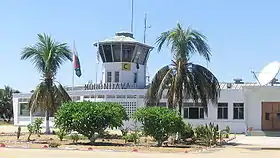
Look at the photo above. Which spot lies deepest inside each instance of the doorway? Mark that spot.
(270, 116)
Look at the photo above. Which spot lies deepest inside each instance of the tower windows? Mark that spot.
(109, 76)
(135, 77)
(117, 76)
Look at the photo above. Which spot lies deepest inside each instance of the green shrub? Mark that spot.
(187, 132)
(37, 126)
(159, 122)
(207, 134)
(75, 137)
(227, 130)
(89, 118)
(61, 134)
(30, 129)
(132, 137)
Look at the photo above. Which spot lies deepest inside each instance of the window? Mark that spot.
(192, 111)
(126, 54)
(120, 96)
(267, 116)
(109, 76)
(23, 109)
(141, 96)
(238, 111)
(110, 96)
(135, 77)
(130, 107)
(222, 110)
(131, 96)
(117, 76)
(162, 104)
(100, 96)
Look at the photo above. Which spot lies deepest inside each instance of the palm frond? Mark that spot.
(48, 98)
(64, 95)
(151, 95)
(208, 84)
(38, 98)
(199, 44)
(184, 43)
(47, 55)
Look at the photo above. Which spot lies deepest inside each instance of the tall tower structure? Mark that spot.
(124, 60)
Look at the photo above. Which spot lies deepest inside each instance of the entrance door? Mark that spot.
(270, 115)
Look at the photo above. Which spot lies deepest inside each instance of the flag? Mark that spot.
(76, 63)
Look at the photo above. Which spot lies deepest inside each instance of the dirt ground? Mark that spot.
(104, 144)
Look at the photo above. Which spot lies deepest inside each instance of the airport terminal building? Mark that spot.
(240, 106)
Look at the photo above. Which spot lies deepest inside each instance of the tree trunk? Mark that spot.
(29, 135)
(30, 116)
(48, 131)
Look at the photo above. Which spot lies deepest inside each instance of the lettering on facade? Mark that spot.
(92, 86)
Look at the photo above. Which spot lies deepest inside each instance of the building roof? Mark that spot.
(232, 85)
(123, 37)
(223, 85)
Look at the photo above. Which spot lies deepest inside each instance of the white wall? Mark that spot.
(125, 76)
(227, 95)
(253, 98)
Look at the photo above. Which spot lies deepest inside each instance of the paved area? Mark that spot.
(226, 152)
(11, 129)
(257, 141)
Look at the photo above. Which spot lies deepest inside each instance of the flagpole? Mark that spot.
(73, 67)
(132, 14)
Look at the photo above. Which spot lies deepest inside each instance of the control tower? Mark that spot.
(124, 60)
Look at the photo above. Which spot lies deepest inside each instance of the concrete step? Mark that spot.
(264, 133)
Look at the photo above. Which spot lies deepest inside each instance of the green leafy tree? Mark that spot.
(47, 55)
(182, 78)
(89, 118)
(159, 122)
(6, 103)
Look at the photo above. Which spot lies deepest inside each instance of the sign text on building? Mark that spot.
(92, 86)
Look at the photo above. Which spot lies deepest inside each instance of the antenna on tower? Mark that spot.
(145, 26)
(132, 10)
(145, 31)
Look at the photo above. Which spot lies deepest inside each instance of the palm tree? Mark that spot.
(47, 55)
(182, 78)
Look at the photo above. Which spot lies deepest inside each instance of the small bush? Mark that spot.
(187, 132)
(37, 126)
(132, 137)
(227, 130)
(159, 122)
(61, 134)
(30, 128)
(75, 137)
(207, 134)
(54, 145)
(89, 118)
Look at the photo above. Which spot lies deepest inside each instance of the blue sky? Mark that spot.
(243, 35)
